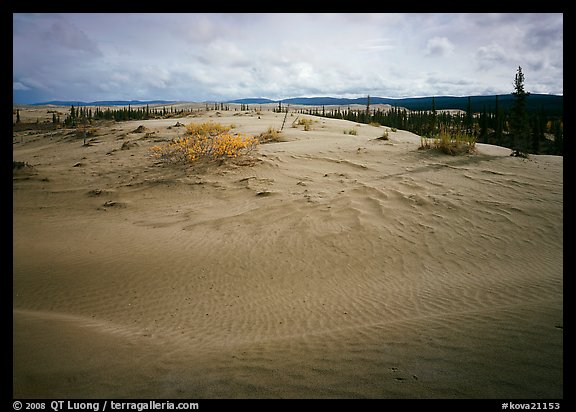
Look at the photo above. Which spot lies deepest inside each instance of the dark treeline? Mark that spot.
(492, 125)
(81, 115)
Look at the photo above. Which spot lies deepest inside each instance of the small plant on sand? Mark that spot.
(351, 131)
(425, 143)
(452, 143)
(269, 136)
(205, 141)
(307, 123)
(384, 136)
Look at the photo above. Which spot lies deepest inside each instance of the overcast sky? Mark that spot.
(198, 57)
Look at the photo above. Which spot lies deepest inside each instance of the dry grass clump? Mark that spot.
(452, 143)
(307, 123)
(205, 141)
(270, 136)
(19, 165)
(384, 136)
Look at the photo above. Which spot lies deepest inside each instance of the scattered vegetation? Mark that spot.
(351, 131)
(211, 141)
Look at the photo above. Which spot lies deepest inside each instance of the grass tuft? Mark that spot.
(452, 143)
(270, 136)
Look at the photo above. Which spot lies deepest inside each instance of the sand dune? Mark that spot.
(326, 265)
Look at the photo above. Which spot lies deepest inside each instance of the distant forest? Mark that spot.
(492, 124)
(553, 104)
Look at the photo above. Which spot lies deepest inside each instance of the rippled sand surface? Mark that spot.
(328, 265)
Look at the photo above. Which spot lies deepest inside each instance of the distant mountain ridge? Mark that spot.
(102, 102)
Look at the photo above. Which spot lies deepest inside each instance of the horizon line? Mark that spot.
(143, 101)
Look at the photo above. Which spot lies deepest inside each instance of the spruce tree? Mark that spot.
(519, 123)
(558, 137)
(499, 122)
(432, 117)
(484, 125)
(368, 109)
(469, 117)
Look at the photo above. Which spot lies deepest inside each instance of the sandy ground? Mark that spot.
(329, 265)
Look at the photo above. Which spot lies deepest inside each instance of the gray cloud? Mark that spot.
(66, 35)
(491, 55)
(19, 86)
(542, 38)
(439, 46)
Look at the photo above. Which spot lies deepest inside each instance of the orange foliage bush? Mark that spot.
(206, 141)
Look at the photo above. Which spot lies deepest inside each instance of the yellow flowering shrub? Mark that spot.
(206, 141)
